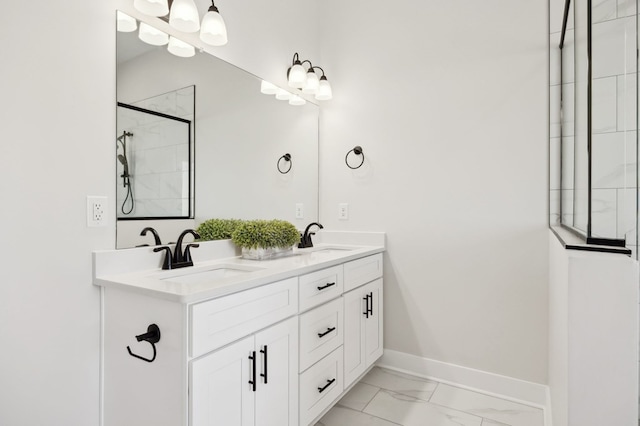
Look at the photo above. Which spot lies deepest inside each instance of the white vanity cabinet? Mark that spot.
(252, 382)
(278, 353)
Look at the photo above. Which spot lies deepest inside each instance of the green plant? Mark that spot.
(255, 234)
(217, 229)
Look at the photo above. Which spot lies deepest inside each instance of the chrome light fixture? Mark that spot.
(180, 48)
(183, 16)
(125, 23)
(152, 7)
(151, 35)
(213, 30)
(307, 80)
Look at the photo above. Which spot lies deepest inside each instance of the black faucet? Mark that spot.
(305, 239)
(156, 237)
(180, 258)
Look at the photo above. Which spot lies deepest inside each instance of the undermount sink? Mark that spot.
(212, 273)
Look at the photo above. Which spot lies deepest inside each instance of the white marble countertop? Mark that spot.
(111, 270)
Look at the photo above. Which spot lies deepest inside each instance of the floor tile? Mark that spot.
(489, 407)
(342, 416)
(409, 411)
(359, 396)
(400, 383)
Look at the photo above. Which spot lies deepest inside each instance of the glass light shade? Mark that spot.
(283, 95)
(311, 86)
(152, 7)
(296, 100)
(184, 16)
(151, 35)
(297, 76)
(268, 88)
(213, 30)
(180, 48)
(125, 23)
(324, 90)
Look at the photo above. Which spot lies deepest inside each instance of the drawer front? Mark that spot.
(361, 271)
(321, 332)
(320, 385)
(218, 322)
(320, 286)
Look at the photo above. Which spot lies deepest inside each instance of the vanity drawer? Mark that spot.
(320, 385)
(321, 332)
(217, 322)
(320, 286)
(361, 271)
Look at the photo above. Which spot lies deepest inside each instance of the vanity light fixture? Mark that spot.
(268, 88)
(213, 30)
(152, 7)
(151, 35)
(180, 48)
(307, 80)
(125, 23)
(183, 16)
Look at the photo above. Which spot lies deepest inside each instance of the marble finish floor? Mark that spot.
(388, 398)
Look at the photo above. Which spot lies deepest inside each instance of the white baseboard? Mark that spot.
(521, 391)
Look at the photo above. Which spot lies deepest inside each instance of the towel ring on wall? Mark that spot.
(357, 150)
(287, 158)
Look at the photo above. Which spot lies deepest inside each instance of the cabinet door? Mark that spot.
(373, 324)
(277, 388)
(220, 391)
(354, 312)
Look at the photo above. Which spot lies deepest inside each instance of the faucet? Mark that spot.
(180, 258)
(156, 237)
(305, 239)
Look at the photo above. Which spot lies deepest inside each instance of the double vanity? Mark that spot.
(232, 341)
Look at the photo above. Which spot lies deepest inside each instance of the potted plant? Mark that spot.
(217, 229)
(265, 239)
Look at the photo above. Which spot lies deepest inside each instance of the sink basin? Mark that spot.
(209, 274)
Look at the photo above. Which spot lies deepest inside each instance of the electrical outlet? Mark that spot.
(343, 211)
(299, 211)
(96, 211)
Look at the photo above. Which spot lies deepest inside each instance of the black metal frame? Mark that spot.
(191, 155)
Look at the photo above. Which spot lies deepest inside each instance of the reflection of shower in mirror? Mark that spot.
(126, 177)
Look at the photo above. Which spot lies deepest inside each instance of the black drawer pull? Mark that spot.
(253, 382)
(325, 286)
(366, 309)
(370, 309)
(329, 383)
(266, 365)
(329, 330)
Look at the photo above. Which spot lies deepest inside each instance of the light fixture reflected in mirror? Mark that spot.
(184, 16)
(268, 88)
(180, 48)
(125, 23)
(151, 35)
(283, 95)
(152, 7)
(213, 30)
(296, 100)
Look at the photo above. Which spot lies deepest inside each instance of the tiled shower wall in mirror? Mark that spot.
(614, 118)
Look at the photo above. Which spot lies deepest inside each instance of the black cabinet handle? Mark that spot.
(329, 330)
(325, 286)
(264, 352)
(252, 357)
(366, 308)
(370, 309)
(329, 383)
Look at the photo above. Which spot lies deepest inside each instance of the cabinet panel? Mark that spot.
(218, 322)
(277, 388)
(320, 286)
(361, 271)
(321, 331)
(220, 391)
(320, 385)
(373, 326)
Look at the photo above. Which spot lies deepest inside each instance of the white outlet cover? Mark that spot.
(97, 211)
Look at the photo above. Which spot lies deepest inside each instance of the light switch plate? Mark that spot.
(299, 211)
(343, 211)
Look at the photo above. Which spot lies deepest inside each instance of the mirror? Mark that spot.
(253, 157)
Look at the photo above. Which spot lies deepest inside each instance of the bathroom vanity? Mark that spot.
(241, 342)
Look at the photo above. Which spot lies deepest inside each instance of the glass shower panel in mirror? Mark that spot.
(614, 120)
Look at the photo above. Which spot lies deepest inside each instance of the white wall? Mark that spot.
(58, 147)
(449, 102)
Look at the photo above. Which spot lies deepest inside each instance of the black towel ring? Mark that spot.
(357, 151)
(287, 158)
